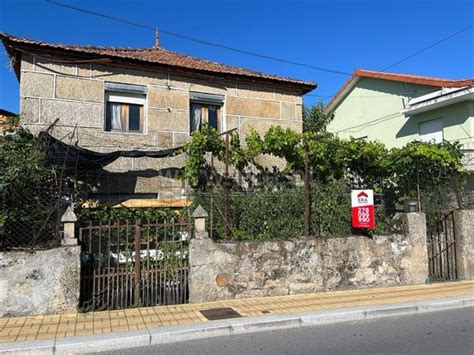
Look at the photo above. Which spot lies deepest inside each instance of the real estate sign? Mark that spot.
(363, 214)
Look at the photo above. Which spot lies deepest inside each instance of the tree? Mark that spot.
(315, 119)
(28, 189)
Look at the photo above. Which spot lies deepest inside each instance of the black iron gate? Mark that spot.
(127, 264)
(441, 246)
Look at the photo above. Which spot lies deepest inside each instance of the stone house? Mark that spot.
(146, 99)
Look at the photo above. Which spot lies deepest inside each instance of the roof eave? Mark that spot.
(341, 94)
(439, 101)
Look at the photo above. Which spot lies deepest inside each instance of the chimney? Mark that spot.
(157, 39)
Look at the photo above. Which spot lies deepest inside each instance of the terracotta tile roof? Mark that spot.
(405, 78)
(160, 56)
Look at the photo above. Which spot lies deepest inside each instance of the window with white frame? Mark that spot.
(206, 109)
(431, 131)
(124, 108)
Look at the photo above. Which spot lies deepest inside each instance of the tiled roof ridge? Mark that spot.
(168, 57)
(366, 72)
(409, 78)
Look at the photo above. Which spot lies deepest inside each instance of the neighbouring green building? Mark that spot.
(398, 108)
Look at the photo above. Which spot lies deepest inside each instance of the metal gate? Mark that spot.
(127, 264)
(441, 246)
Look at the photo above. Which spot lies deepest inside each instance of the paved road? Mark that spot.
(444, 332)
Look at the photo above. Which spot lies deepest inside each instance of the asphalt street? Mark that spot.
(443, 332)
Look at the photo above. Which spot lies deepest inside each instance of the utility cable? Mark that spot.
(197, 40)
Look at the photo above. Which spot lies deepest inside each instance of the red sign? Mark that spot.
(363, 213)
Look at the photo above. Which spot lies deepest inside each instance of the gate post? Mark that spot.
(464, 243)
(69, 220)
(200, 230)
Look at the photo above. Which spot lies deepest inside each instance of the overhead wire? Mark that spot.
(428, 47)
(201, 41)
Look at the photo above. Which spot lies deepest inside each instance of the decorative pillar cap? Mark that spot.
(69, 215)
(200, 212)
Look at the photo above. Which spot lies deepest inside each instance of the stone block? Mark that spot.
(231, 122)
(40, 282)
(70, 113)
(255, 92)
(288, 96)
(79, 89)
(164, 164)
(165, 139)
(36, 84)
(164, 187)
(84, 70)
(27, 62)
(287, 111)
(252, 108)
(232, 89)
(263, 125)
(29, 110)
(270, 161)
(180, 139)
(129, 76)
(299, 112)
(212, 86)
(223, 280)
(45, 66)
(168, 98)
(163, 120)
(120, 165)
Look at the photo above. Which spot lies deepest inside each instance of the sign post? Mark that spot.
(363, 213)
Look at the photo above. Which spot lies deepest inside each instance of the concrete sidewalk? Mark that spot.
(56, 327)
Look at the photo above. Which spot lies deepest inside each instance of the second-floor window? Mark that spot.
(431, 131)
(125, 108)
(206, 109)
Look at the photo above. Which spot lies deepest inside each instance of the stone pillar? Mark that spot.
(416, 265)
(464, 234)
(199, 256)
(69, 220)
(200, 230)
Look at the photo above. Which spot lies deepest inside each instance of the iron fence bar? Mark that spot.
(108, 265)
(445, 222)
(454, 247)
(137, 265)
(127, 267)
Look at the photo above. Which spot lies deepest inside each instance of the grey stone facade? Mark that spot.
(39, 282)
(75, 94)
(224, 270)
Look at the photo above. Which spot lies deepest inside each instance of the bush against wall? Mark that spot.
(417, 171)
(28, 191)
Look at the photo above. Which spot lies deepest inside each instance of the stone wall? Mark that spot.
(464, 229)
(224, 270)
(40, 282)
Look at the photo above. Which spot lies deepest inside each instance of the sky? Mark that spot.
(340, 35)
